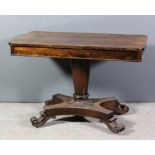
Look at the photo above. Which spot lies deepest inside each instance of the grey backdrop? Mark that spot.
(36, 79)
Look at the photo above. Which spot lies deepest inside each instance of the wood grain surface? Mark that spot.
(99, 46)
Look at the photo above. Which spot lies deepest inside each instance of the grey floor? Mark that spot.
(15, 124)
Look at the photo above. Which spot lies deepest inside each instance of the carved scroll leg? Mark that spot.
(114, 125)
(37, 122)
(114, 105)
(66, 108)
(58, 98)
(108, 118)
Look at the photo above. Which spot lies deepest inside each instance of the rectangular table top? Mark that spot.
(97, 46)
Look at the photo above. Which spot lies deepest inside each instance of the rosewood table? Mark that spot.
(81, 48)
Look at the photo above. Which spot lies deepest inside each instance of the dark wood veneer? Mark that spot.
(96, 46)
(81, 48)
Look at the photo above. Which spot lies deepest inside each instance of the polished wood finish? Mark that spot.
(95, 46)
(103, 109)
(80, 72)
(81, 48)
(77, 54)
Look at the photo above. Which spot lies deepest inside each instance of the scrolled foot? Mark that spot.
(123, 108)
(37, 122)
(114, 105)
(115, 126)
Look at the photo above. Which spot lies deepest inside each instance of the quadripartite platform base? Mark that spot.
(103, 109)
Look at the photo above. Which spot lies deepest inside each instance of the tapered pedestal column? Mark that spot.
(103, 109)
(80, 72)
